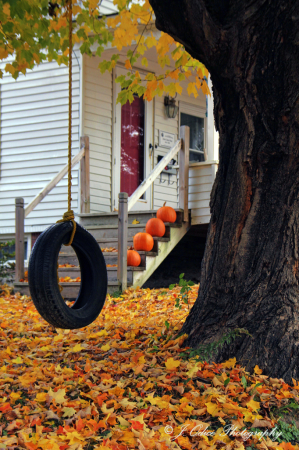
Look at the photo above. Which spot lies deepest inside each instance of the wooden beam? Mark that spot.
(214, 168)
(122, 240)
(19, 271)
(45, 191)
(153, 175)
(85, 176)
(184, 171)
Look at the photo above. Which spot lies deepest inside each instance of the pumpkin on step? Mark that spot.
(133, 258)
(143, 241)
(166, 214)
(155, 227)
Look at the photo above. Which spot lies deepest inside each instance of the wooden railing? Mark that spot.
(21, 213)
(125, 204)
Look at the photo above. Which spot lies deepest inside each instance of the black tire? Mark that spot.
(43, 284)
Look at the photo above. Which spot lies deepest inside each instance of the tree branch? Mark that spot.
(194, 25)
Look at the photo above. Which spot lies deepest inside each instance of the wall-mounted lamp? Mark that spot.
(170, 107)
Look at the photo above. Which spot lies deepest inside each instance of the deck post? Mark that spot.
(122, 240)
(184, 171)
(19, 271)
(85, 176)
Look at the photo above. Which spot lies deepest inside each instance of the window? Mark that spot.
(197, 135)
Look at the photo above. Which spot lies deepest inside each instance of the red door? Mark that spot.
(132, 145)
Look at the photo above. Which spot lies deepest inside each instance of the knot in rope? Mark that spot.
(69, 216)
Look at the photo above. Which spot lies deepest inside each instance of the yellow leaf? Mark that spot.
(171, 364)
(74, 437)
(191, 89)
(184, 442)
(253, 405)
(194, 369)
(129, 438)
(205, 88)
(249, 417)
(9, 68)
(6, 9)
(141, 360)
(178, 88)
(144, 62)
(171, 89)
(135, 222)
(151, 399)
(41, 397)
(151, 41)
(123, 422)
(230, 363)
(68, 412)
(257, 370)
(3, 53)
(76, 10)
(47, 444)
(174, 74)
(127, 404)
(212, 408)
(216, 382)
(128, 64)
(15, 395)
(105, 348)
(76, 348)
(106, 410)
(57, 396)
(17, 360)
(93, 4)
(163, 44)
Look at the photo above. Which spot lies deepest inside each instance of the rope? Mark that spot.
(70, 106)
(69, 214)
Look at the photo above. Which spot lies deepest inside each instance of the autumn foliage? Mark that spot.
(30, 35)
(124, 382)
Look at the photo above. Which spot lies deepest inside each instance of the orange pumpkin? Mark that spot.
(143, 241)
(167, 214)
(155, 227)
(133, 258)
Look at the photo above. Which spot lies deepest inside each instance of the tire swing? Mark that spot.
(43, 265)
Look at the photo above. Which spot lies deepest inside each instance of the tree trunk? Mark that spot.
(250, 269)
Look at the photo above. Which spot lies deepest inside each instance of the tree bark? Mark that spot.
(250, 269)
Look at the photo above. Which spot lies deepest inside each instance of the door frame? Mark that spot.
(146, 203)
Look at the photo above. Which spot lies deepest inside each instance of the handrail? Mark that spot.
(153, 175)
(21, 213)
(45, 191)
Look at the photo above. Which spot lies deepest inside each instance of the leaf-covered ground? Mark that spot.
(124, 383)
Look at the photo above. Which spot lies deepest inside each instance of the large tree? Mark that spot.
(251, 262)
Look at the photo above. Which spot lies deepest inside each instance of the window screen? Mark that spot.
(196, 125)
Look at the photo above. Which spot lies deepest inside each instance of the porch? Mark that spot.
(115, 230)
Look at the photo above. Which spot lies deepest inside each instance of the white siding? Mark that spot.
(164, 192)
(34, 143)
(200, 186)
(97, 124)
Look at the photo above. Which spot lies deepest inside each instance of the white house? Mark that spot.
(125, 142)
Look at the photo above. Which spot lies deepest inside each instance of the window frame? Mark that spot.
(196, 111)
